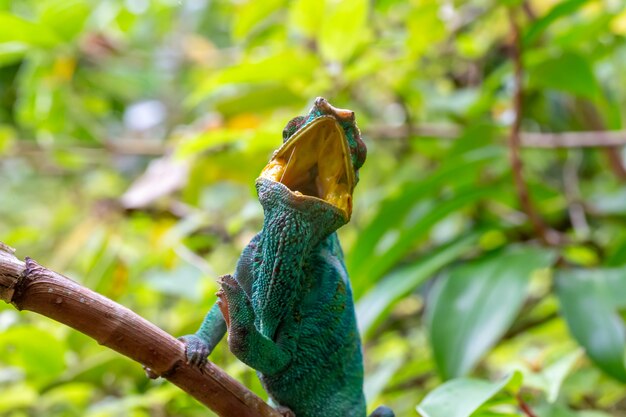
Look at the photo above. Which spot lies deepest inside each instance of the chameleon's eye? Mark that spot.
(361, 152)
(292, 127)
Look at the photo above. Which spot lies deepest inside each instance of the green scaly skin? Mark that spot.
(289, 304)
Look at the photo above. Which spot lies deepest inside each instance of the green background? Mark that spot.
(131, 133)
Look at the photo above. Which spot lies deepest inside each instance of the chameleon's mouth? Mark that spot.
(315, 163)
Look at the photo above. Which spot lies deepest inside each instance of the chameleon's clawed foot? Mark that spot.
(285, 411)
(382, 411)
(196, 350)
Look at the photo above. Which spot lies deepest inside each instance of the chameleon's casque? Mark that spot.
(288, 307)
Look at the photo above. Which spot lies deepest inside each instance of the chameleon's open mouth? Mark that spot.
(315, 163)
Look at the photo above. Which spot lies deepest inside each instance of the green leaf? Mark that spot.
(376, 380)
(462, 397)
(11, 52)
(476, 303)
(343, 29)
(569, 72)
(558, 410)
(399, 283)
(251, 14)
(590, 300)
(17, 396)
(181, 282)
(550, 379)
(306, 16)
(371, 258)
(16, 29)
(275, 72)
(555, 374)
(36, 351)
(424, 27)
(540, 25)
(66, 17)
(555, 410)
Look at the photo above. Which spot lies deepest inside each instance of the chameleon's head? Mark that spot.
(319, 160)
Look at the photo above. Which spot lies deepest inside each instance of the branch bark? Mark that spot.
(30, 286)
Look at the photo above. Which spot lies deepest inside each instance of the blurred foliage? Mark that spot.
(131, 132)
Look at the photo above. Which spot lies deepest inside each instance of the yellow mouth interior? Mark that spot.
(315, 163)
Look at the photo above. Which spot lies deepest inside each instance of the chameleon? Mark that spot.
(288, 307)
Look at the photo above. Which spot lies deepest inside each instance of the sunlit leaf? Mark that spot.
(425, 27)
(555, 373)
(561, 9)
(476, 303)
(305, 16)
(74, 393)
(343, 29)
(285, 66)
(11, 52)
(16, 29)
(65, 17)
(462, 397)
(36, 351)
(251, 13)
(17, 396)
(550, 377)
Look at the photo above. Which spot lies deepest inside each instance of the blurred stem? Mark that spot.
(514, 139)
(525, 407)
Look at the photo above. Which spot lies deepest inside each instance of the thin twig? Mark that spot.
(525, 407)
(514, 138)
(30, 286)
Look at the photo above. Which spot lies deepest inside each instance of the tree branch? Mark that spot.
(514, 137)
(544, 140)
(30, 286)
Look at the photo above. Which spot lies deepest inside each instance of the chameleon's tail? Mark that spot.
(382, 411)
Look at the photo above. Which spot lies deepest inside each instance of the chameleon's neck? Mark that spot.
(293, 229)
(305, 221)
(291, 235)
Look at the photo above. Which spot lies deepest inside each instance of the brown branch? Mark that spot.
(30, 286)
(588, 139)
(514, 137)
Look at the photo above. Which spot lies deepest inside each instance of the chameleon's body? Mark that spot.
(288, 307)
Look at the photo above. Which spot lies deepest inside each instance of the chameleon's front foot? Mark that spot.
(196, 350)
